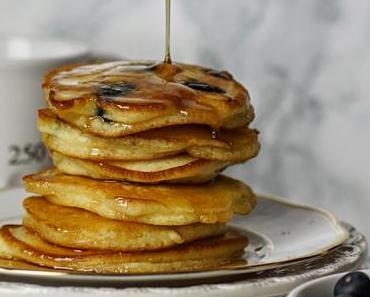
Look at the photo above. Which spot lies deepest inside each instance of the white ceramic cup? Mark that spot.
(23, 63)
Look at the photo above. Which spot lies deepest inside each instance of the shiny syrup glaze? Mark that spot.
(140, 82)
(118, 92)
(145, 86)
(26, 245)
(222, 195)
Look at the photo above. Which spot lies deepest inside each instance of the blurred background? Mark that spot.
(305, 62)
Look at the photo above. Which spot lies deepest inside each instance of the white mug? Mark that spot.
(23, 63)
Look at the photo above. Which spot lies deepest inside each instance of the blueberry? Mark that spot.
(113, 90)
(101, 113)
(220, 74)
(354, 284)
(201, 86)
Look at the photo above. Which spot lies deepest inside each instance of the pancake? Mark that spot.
(20, 243)
(209, 203)
(78, 228)
(16, 264)
(125, 97)
(173, 169)
(236, 145)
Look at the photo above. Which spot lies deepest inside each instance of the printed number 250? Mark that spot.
(26, 154)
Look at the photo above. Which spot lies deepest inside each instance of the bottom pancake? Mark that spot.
(78, 228)
(17, 264)
(20, 243)
(174, 169)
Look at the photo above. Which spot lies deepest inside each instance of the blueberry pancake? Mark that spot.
(125, 97)
(210, 203)
(22, 244)
(235, 145)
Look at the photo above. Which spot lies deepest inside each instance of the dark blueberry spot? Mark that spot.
(356, 284)
(113, 90)
(101, 113)
(220, 74)
(201, 86)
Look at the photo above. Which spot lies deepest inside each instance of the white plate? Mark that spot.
(280, 233)
(321, 287)
(268, 283)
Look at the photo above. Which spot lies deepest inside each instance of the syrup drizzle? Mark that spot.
(167, 57)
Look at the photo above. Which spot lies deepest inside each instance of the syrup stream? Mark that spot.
(167, 57)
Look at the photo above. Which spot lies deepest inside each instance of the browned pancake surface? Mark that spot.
(235, 145)
(209, 203)
(20, 243)
(125, 97)
(78, 228)
(179, 169)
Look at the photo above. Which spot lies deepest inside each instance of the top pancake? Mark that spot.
(124, 97)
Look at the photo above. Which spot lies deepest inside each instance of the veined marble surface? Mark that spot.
(306, 63)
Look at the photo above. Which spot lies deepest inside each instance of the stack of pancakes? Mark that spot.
(137, 149)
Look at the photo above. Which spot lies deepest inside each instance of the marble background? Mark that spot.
(306, 63)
